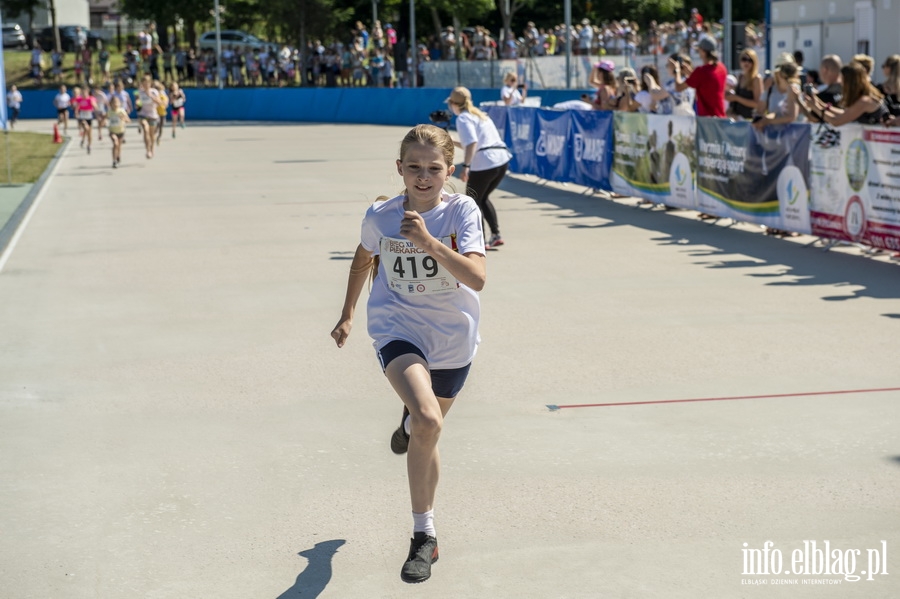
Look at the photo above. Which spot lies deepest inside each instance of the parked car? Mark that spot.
(230, 37)
(68, 38)
(13, 36)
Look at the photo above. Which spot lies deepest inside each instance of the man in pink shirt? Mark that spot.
(708, 79)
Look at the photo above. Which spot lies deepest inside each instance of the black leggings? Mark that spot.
(480, 186)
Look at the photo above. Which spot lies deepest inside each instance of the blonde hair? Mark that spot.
(892, 83)
(754, 60)
(468, 105)
(510, 76)
(429, 135)
(789, 71)
(865, 61)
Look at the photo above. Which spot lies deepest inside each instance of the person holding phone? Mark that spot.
(512, 94)
(626, 89)
(708, 79)
(861, 102)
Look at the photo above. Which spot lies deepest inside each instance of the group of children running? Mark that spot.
(151, 102)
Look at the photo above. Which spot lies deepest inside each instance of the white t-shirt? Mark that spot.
(645, 100)
(405, 304)
(14, 99)
(511, 92)
(62, 101)
(485, 135)
(148, 106)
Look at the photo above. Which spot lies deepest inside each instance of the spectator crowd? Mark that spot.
(376, 57)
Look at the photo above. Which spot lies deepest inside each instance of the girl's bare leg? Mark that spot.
(409, 376)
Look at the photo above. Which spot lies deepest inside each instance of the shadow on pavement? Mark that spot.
(718, 247)
(313, 580)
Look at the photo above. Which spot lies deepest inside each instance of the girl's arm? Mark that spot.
(468, 269)
(758, 98)
(468, 156)
(792, 111)
(837, 117)
(359, 273)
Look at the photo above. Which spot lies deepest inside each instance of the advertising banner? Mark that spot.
(552, 148)
(655, 158)
(754, 176)
(855, 181)
(592, 143)
(522, 133)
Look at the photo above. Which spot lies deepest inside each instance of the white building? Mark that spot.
(68, 12)
(842, 27)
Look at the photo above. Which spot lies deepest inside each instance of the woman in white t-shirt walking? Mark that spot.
(486, 157)
(425, 249)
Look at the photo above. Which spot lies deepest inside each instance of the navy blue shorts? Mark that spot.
(444, 382)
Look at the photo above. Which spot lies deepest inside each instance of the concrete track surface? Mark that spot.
(175, 421)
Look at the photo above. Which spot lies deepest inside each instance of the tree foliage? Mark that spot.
(295, 20)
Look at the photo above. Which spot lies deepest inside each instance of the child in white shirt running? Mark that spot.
(426, 247)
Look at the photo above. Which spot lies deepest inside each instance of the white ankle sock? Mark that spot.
(424, 523)
(406, 424)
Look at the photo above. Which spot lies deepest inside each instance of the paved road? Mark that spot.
(176, 422)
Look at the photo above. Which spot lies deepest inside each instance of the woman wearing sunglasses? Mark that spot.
(744, 101)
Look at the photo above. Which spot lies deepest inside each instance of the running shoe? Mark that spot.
(423, 551)
(115, 164)
(400, 440)
(495, 241)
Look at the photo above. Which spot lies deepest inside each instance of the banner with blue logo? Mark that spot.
(552, 149)
(754, 176)
(655, 158)
(592, 143)
(522, 133)
(498, 115)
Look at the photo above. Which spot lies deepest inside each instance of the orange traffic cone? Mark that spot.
(57, 138)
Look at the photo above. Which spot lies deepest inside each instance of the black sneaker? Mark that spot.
(423, 551)
(400, 440)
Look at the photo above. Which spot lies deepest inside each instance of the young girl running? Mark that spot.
(147, 101)
(177, 98)
(118, 117)
(426, 248)
(85, 105)
(161, 109)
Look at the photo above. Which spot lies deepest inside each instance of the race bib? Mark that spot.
(411, 271)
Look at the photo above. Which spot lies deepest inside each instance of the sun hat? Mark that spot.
(606, 65)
